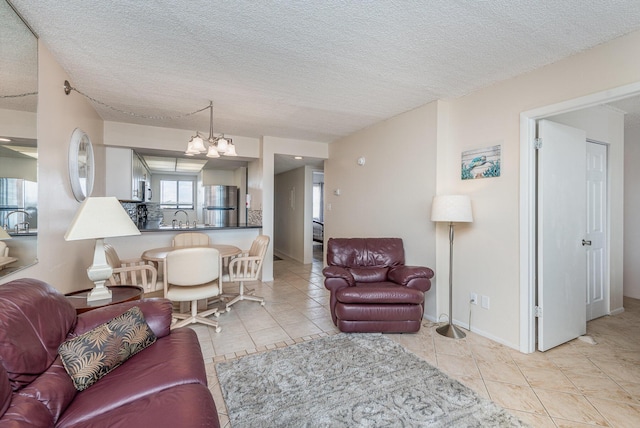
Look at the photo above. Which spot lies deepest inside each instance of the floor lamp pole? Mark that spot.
(451, 330)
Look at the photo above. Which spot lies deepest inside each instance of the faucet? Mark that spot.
(186, 215)
(6, 218)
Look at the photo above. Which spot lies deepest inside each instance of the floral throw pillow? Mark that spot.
(95, 353)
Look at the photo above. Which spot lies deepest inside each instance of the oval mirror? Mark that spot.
(81, 166)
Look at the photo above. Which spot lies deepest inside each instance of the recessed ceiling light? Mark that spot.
(297, 157)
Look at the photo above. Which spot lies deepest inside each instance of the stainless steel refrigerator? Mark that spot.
(220, 206)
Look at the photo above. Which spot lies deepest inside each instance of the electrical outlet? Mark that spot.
(485, 302)
(473, 298)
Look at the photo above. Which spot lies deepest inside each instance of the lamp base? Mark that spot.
(450, 330)
(99, 293)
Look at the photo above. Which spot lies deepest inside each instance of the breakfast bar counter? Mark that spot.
(198, 228)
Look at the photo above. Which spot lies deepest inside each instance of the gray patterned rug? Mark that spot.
(350, 380)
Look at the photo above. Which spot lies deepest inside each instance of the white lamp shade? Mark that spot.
(222, 144)
(212, 152)
(100, 217)
(452, 208)
(197, 144)
(190, 149)
(231, 150)
(4, 234)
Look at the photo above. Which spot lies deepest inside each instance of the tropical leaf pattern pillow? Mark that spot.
(95, 353)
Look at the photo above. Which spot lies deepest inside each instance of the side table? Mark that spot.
(119, 294)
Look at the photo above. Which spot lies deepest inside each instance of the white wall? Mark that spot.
(487, 253)
(390, 195)
(606, 125)
(20, 124)
(62, 264)
(155, 137)
(631, 210)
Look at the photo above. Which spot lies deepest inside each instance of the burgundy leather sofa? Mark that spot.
(371, 288)
(164, 385)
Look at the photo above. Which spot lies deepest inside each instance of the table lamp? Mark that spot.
(451, 209)
(99, 218)
(4, 234)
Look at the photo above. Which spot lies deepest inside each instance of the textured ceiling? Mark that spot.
(314, 70)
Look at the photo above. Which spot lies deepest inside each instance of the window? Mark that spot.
(176, 194)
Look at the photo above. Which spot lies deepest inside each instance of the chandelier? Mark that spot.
(217, 145)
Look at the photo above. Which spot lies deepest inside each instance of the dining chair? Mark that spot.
(191, 239)
(193, 274)
(246, 267)
(132, 271)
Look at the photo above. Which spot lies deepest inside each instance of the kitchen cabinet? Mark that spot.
(126, 174)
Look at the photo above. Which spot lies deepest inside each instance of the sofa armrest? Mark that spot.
(403, 274)
(338, 272)
(156, 311)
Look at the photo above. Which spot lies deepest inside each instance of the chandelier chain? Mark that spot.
(26, 94)
(130, 113)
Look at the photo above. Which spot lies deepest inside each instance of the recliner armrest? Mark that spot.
(340, 273)
(403, 274)
(156, 311)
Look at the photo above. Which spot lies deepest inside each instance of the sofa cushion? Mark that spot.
(383, 292)
(370, 274)
(36, 317)
(173, 360)
(182, 405)
(90, 356)
(359, 252)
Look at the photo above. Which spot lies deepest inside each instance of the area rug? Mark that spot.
(350, 380)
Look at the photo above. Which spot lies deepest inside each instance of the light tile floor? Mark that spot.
(574, 385)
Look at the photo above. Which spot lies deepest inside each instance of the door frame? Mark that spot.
(527, 205)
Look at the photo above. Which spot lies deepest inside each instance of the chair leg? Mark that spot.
(242, 296)
(196, 317)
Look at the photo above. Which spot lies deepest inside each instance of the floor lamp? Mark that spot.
(451, 209)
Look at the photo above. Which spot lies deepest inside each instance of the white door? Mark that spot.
(596, 237)
(561, 257)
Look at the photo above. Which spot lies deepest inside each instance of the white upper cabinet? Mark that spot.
(126, 174)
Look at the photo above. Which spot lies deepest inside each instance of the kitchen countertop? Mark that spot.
(200, 227)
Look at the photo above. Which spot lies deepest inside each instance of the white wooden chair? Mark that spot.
(191, 239)
(132, 271)
(246, 267)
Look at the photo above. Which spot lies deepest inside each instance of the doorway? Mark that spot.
(318, 216)
(528, 230)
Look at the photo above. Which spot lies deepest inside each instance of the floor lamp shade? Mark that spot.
(451, 209)
(99, 218)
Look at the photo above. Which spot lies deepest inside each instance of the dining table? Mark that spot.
(158, 255)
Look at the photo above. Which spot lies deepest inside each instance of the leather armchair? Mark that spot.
(372, 290)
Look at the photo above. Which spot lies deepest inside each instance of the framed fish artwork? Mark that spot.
(481, 163)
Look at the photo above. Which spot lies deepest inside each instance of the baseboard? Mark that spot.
(616, 311)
